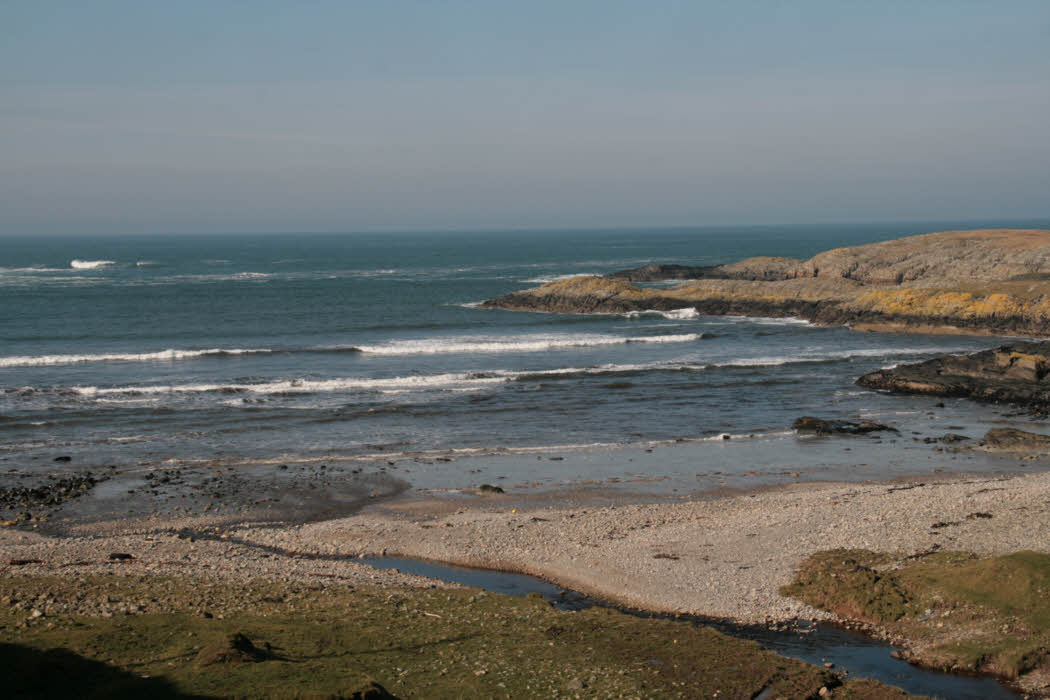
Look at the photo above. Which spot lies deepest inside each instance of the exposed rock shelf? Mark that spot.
(988, 281)
(1018, 373)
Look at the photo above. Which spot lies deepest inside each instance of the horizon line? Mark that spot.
(545, 229)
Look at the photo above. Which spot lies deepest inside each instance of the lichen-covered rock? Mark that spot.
(993, 281)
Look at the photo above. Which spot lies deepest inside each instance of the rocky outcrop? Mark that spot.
(1012, 440)
(992, 281)
(761, 269)
(659, 273)
(821, 426)
(1018, 373)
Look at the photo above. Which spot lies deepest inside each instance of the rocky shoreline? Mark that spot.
(725, 558)
(1018, 374)
(978, 282)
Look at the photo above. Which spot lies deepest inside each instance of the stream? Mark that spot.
(859, 655)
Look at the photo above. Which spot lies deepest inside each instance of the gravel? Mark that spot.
(723, 558)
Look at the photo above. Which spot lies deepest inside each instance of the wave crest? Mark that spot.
(430, 346)
(162, 355)
(90, 264)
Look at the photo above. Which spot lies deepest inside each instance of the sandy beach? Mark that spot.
(725, 557)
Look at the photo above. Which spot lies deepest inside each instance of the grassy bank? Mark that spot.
(953, 610)
(108, 636)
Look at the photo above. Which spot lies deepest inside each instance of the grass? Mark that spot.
(193, 638)
(958, 611)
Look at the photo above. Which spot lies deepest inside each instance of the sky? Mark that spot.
(259, 116)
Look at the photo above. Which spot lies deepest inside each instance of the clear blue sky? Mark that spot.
(189, 116)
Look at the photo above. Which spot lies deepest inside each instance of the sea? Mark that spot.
(243, 349)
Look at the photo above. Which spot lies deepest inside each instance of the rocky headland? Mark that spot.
(1017, 374)
(985, 281)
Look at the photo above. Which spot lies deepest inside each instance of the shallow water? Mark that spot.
(862, 657)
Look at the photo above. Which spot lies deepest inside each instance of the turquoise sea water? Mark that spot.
(241, 347)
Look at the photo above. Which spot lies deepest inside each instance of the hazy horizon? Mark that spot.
(131, 118)
(935, 225)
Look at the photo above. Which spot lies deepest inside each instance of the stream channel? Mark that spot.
(859, 655)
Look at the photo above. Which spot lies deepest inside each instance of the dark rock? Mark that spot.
(489, 488)
(23, 562)
(121, 556)
(840, 427)
(657, 273)
(1013, 440)
(51, 493)
(63, 458)
(1018, 373)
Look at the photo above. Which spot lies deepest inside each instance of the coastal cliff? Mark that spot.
(987, 281)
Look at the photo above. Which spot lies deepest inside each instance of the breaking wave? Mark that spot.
(431, 346)
(90, 264)
(162, 355)
(686, 314)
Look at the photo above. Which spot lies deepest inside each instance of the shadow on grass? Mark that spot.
(60, 673)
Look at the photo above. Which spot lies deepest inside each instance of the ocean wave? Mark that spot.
(686, 314)
(448, 381)
(304, 386)
(90, 264)
(768, 320)
(431, 346)
(161, 355)
(544, 279)
(830, 356)
(146, 263)
(33, 269)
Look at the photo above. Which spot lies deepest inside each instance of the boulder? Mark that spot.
(821, 426)
(1013, 440)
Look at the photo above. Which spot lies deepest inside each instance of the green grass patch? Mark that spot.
(191, 638)
(958, 611)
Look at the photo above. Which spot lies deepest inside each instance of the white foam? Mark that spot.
(449, 381)
(768, 320)
(544, 279)
(32, 269)
(525, 343)
(250, 275)
(825, 356)
(146, 263)
(90, 264)
(304, 386)
(171, 354)
(686, 314)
